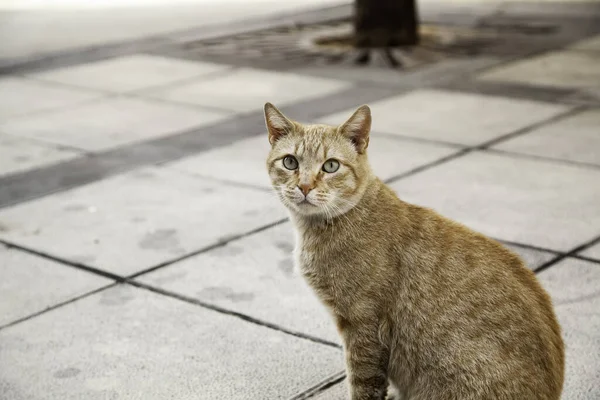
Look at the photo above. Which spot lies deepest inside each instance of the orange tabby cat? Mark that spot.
(437, 310)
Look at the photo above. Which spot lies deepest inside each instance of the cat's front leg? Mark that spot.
(366, 363)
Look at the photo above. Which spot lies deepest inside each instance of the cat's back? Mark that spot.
(473, 301)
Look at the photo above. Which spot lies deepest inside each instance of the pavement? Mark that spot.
(144, 256)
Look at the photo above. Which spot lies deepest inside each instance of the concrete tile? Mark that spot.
(111, 122)
(589, 44)
(520, 200)
(563, 69)
(18, 154)
(124, 74)
(248, 89)
(244, 161)
(132, 344)
(592, 252)
(20, 96)
(461, 118)
(573, 285)
(254, 276)
(531, 258)
(133, 221)
(576, 138)
(31, 284)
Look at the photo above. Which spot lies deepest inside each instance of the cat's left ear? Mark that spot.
(357, 128)
(278, 124)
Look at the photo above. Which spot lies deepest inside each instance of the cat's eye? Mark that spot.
(290, 163)
(331, 166)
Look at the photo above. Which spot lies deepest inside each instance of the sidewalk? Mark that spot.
(143, 255)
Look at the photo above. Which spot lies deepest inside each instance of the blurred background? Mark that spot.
(143, 254)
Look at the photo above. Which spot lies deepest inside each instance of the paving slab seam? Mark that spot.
(484, 146)
(60, 260)
(571, 253)
(232, 313)
(80, 152)
(509, 90)
(136, 94)
(321, 386)
(126, 279)
(101, 97)
(528, 246)
(563, 115)
(515, 154)
(586, 258)
(58, 305)
(217, 245)
(430, 165)
(406, 138)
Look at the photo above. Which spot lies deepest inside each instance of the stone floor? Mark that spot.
(143, 255)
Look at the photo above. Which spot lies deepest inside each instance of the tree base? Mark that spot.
(364, 57)
(361, 55)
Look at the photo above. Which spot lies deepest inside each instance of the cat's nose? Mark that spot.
(304, 188)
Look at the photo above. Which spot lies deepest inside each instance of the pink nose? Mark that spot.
(305, 188)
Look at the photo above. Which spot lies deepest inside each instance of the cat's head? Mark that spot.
(318, 169)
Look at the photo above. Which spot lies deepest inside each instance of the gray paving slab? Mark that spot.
(130, 343)
(244, 161)
(111, 122)
(19, 96)
(510, 198)
(254, 276)
(129, 73)
(563, 69)
(575, 138)
(246, 89)
(592, 252)
(468, 119)
(31, 284)
(133, 221)
(573, 285)
(19, 154)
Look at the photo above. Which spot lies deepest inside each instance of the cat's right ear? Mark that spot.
(358, 127)
(277, 124)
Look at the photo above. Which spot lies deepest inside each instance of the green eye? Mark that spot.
(331, 166)
(290, 163)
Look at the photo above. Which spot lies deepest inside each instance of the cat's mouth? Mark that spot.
(305, 202)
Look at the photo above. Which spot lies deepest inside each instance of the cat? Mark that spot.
(422, 303)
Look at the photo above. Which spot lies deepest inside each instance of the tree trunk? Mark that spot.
(385, 23)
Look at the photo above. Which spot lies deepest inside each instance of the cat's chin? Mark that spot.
(307, 209)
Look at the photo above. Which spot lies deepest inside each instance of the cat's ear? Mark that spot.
(278, 124)
(357, 128)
